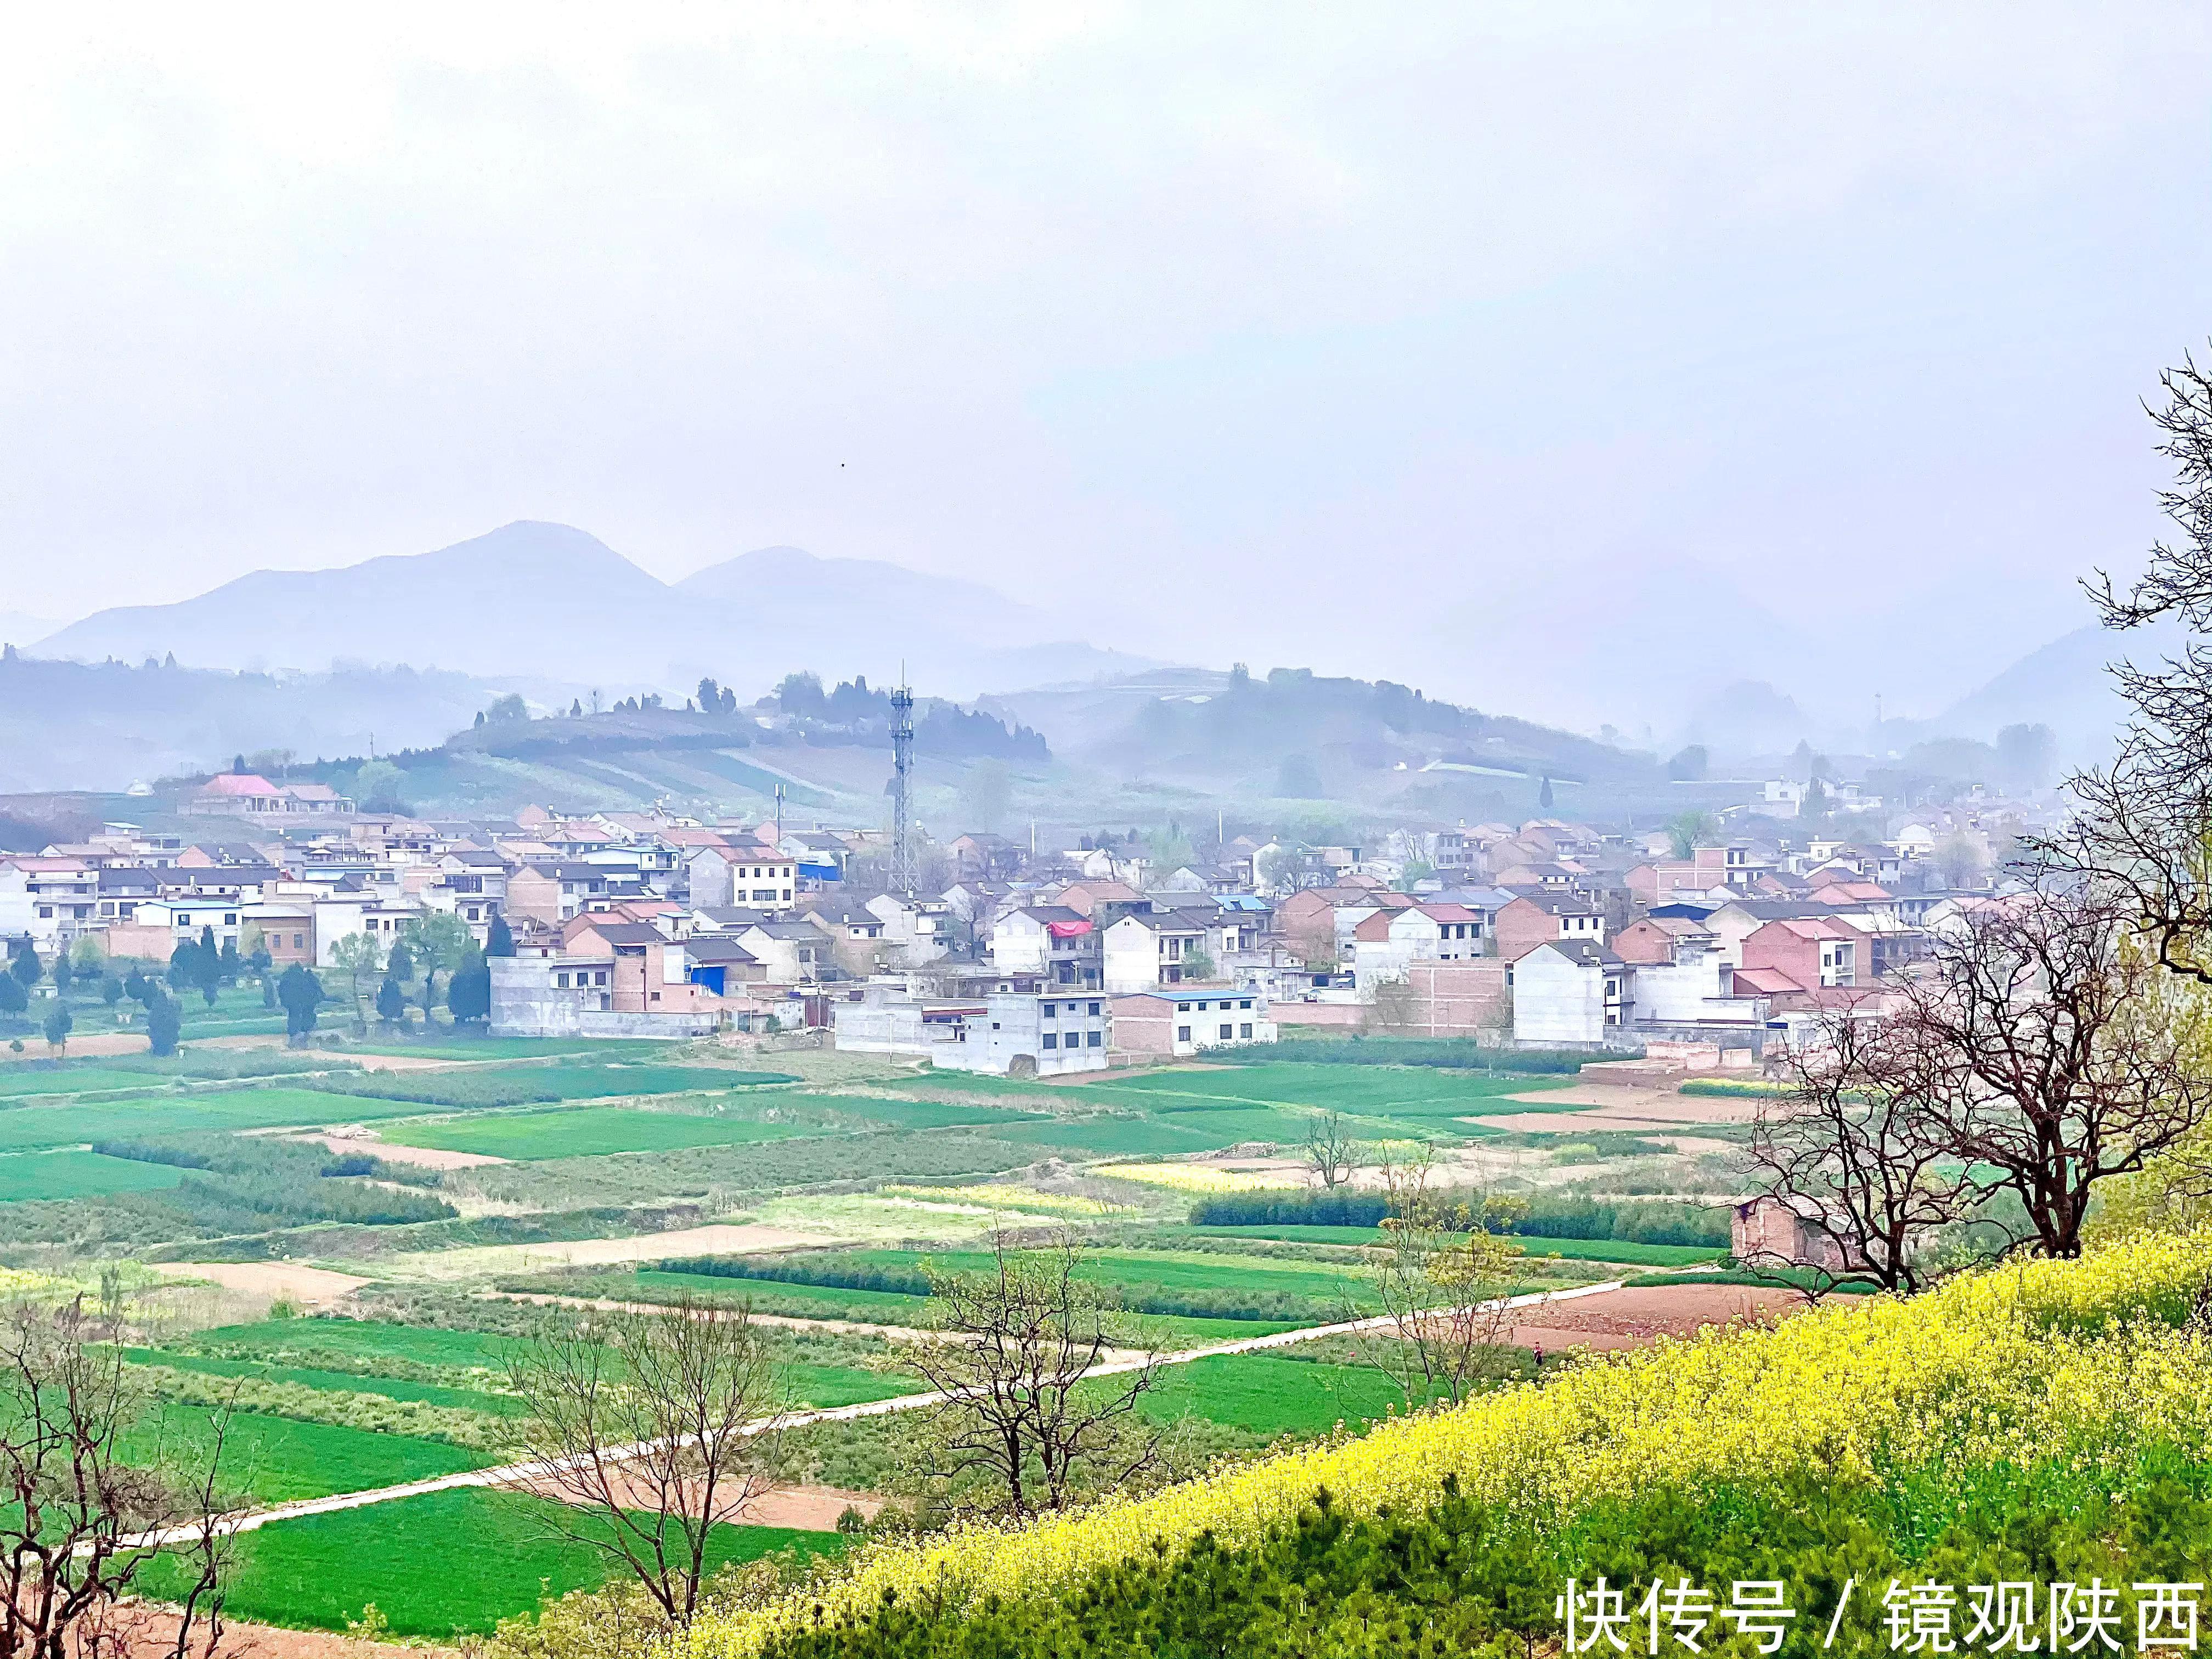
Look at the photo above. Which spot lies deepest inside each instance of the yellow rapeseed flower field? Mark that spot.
(2087, 1362)
(1196, 1177)
(1006, 1196)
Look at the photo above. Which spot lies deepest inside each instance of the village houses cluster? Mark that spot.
(1020, 960)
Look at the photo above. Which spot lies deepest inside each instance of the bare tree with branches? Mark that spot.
(2047, 1049)
(653, 1429)
(2146, 816)
(1334, 1155)
(1016, 1341)
(1443, 1280)
(1396, 1009)
(77, 1514)
(1315, 941)
(1854, 1161)
(2042, 1051)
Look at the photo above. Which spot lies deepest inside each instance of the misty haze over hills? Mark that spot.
(108, 726)
(556, 605)
(553, 609)
(2064, 686)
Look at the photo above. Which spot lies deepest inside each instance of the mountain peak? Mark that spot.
(526, 549)
(549, 601)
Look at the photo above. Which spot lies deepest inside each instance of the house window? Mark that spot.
(1052, 1040)
(1047, 1010)
(1225, 1032)
(1182, 1034)
(1094, 1039)
(1245, 1029)
(560, 981)
(1094, 1011)
(1244, 1002)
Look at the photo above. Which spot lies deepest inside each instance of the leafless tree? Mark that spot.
(1283, 871)
(1856, 1161)
(653, 1429)
(1395, 1006)
(2148, 814)
(1315, 941)
(1957, 860)
(76, 1513)
(2048, 1049)
(1333, 1154)
(2044, 1049)
(1443, 1279)
(1019, 1339)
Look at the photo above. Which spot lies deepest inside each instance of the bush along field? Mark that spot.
(1704, 1226)
(1198, 1286)
(2045, 1420)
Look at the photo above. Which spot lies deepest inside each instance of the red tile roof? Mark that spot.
(239, 784)
(1764, 982)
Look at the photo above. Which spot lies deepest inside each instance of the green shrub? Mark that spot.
(1802, 1278)
(1289, 1209)
(1459, 1054)
(215, 1065)
(545, 1083)
(369, 1239)
(1460, 1579)
(292, 1180)
(842, 1272)
(482, 1431)
(1627, 1222)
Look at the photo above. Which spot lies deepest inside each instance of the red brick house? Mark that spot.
(1808, 962)
(1539, 919)
(1654, 940)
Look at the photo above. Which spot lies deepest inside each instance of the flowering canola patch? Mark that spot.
(1197, 1177)
(2084, 1363)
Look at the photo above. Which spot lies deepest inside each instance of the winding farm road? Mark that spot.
(520, 1474)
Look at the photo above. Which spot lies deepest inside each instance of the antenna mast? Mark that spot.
(904, 878)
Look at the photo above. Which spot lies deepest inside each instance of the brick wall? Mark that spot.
(1459, 999)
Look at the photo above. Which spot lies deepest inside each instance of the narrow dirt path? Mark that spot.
(526, 1474)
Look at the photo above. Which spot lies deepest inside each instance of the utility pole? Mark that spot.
(904, 878)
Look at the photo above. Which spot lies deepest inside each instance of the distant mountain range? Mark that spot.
(556, 611)
(20, 628)
(2065, 686)
(553, 604)
(107, 726)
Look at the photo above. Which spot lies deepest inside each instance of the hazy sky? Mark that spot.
(1518, 352)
